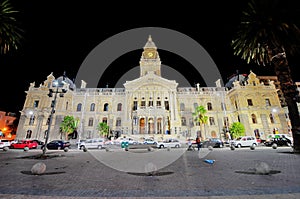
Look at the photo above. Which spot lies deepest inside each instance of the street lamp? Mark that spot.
(53, 103)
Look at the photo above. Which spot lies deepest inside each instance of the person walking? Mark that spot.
(198, 142)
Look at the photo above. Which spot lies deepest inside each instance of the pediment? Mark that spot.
(150, 82)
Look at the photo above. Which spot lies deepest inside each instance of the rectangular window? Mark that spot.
(167, 105)
(150, 103)
(158, 103)
(249, 102)
(134, 105)
(268, 103)
(143, 104)
(36, 103)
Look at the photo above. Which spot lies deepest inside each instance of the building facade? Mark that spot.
(152, 106)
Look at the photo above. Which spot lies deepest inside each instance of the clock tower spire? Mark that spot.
(150, 61)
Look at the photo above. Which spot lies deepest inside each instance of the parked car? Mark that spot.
(95, 143)
(39, 142)
(244, 141)
(149, 141)
(213, 142)
(58, 144)
(272, 136)
(171, 142)
(279, 142)
(21, 144)
(4, 143)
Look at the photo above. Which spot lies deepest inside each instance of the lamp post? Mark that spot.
(53, 103)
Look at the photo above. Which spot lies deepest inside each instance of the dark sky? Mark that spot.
(59, 34)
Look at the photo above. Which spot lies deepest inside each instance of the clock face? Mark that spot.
(150, 54)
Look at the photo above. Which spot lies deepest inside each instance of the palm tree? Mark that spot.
(10, 31)
(69, 125)
(267, 36)
(103, 129)
(201, 118)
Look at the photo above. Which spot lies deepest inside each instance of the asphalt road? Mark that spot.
(160, 173)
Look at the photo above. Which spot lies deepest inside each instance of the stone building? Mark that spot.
(152, 106)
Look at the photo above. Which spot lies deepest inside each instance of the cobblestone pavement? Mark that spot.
(78, 174)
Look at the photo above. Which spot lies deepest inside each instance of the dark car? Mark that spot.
(58, 144)
(278, 141)
(213, 142)
(39, 142)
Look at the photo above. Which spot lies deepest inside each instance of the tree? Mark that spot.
(69, 125)
(10, 31)
(103, 129)
(267, 36)
(237, 129)
(201, 118)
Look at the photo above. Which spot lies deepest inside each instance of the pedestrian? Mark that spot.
(198, 142)
(190, 145)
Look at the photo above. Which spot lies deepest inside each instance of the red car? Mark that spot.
(21, 144)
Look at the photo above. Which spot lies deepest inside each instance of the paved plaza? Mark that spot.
(108, 174)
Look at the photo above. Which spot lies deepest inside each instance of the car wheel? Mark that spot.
(161, 146)
(99, 147)
(177, 146)
(239, 145)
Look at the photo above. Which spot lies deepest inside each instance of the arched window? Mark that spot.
(183, 121)
(253, 116)
(105, 108)
(119, 108)
(272, 118)
(92, 108)
(195, 105)
(182, 107)
(104, 120)
(31, 121)
(118, 122)
(209, 106)
(91, 122)
(135, 120)
(211, 121)
(79, 107)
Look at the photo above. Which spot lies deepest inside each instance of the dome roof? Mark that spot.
(241, 78)
(63, 80)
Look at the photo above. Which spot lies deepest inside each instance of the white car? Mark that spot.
(244, 141)
(171, 142)
(4, 143)
(95, 143)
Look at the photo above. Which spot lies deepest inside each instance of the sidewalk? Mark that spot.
(78, 174)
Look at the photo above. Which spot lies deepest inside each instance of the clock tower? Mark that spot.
(150, 61)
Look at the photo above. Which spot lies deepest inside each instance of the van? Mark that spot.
(244, 141)
(95, 143)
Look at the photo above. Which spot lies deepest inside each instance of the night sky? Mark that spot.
(60, 34)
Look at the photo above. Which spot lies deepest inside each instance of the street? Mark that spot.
(160, 173)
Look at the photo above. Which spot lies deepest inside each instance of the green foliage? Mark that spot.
(10, 31)
(237, 129)
(69, 125)
(266, 25)
(200, 117)
(103, 129)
